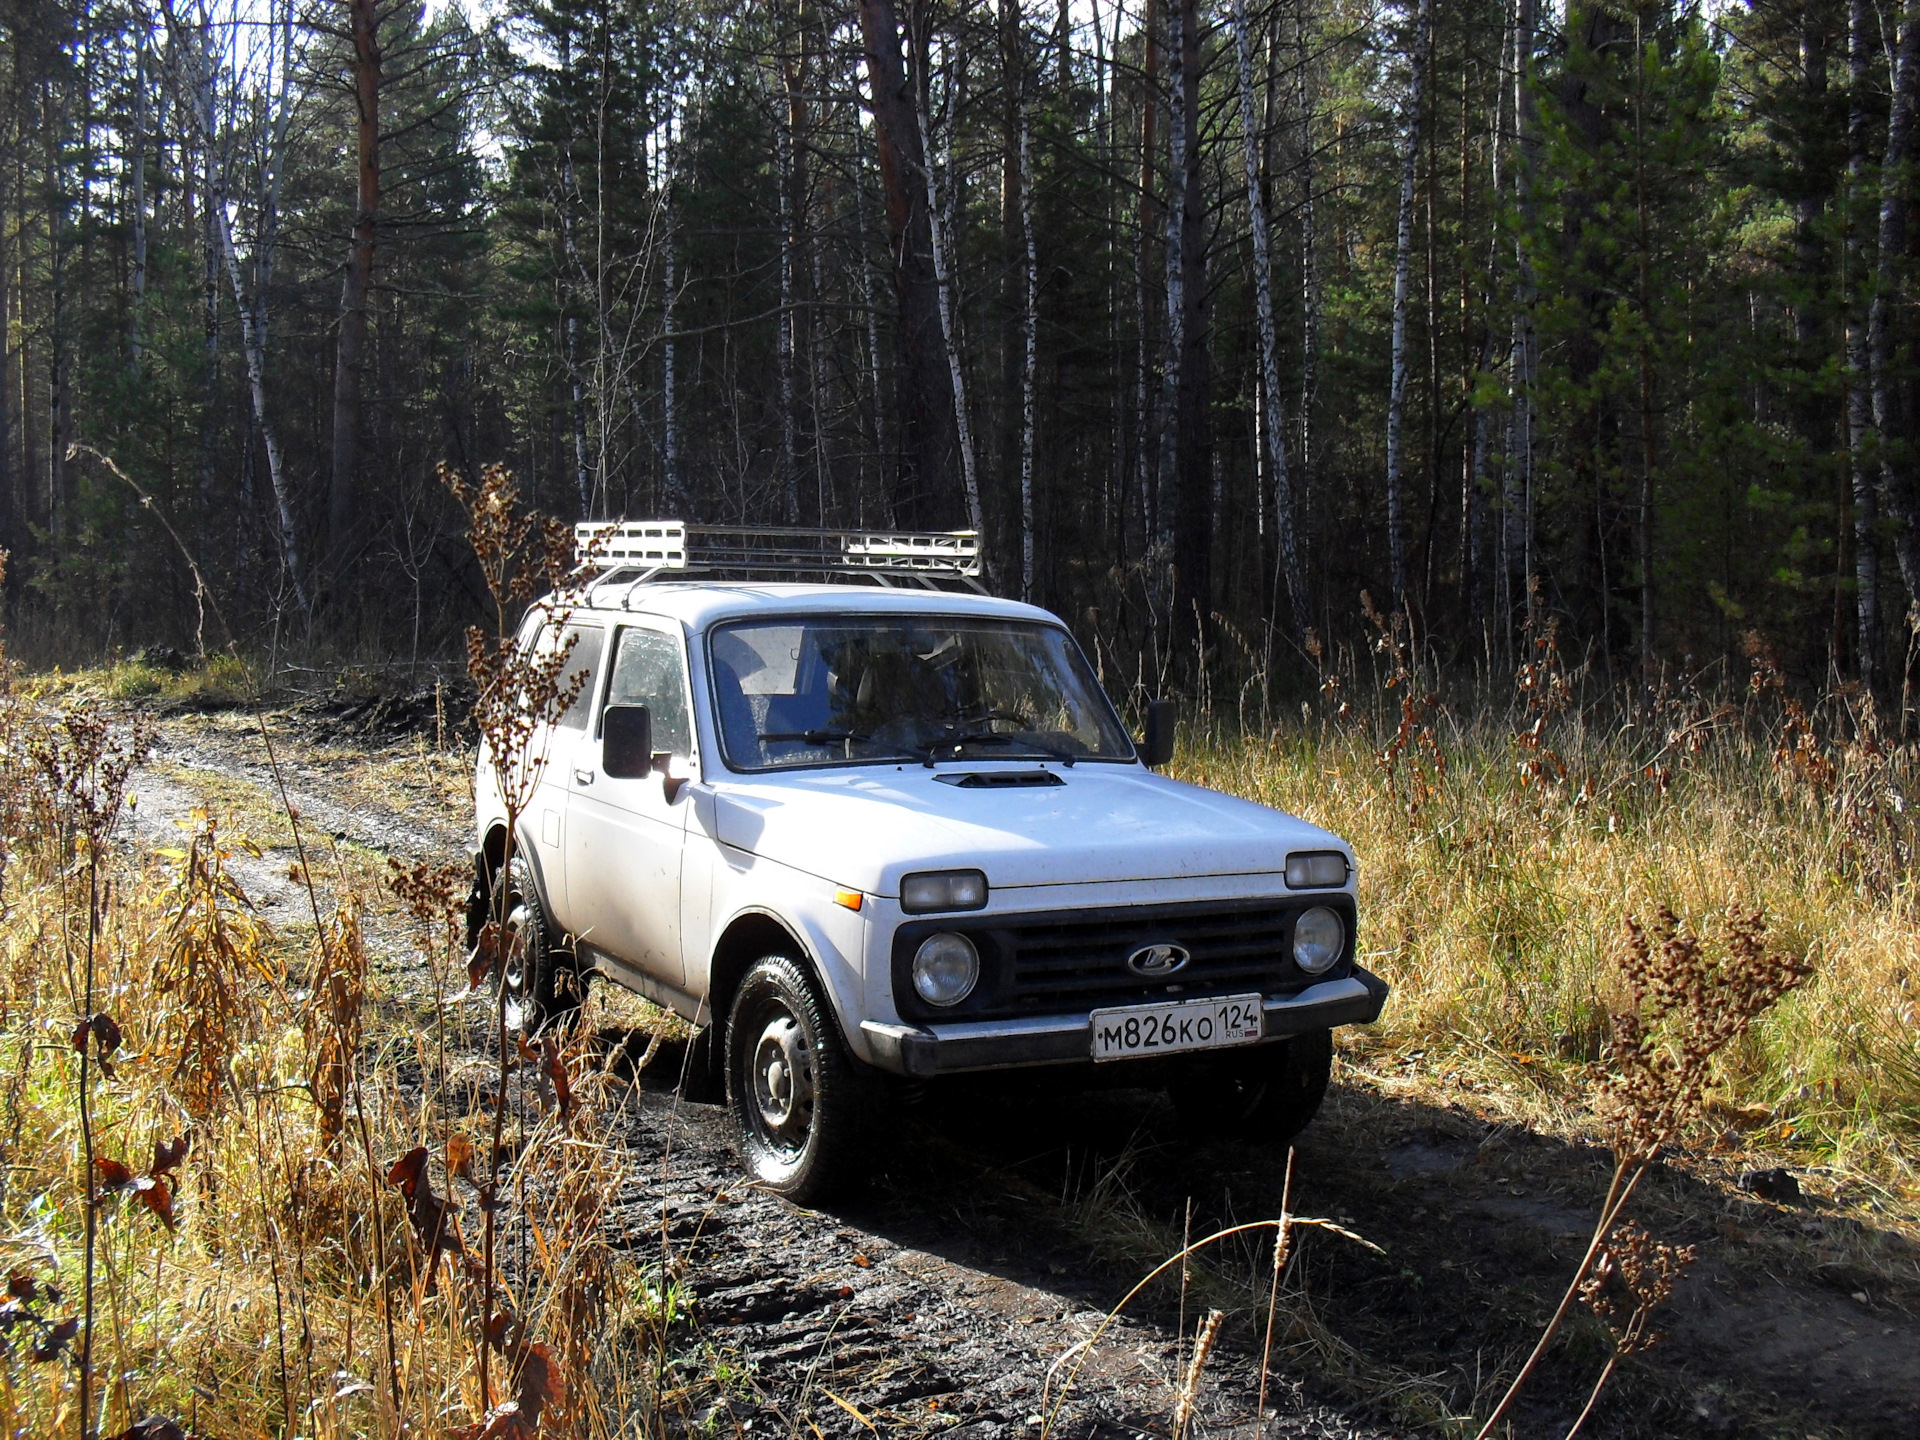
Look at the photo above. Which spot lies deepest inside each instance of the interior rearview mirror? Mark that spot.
(1156, 746)
(626, 741)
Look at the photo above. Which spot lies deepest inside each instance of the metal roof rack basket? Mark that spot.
(640, 550)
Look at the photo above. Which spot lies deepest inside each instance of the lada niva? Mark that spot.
(856, 830)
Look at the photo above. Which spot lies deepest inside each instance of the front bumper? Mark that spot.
(923, 1051)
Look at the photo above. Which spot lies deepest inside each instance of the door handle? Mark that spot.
(583, 777)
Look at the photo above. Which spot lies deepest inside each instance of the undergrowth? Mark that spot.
(1505, 849)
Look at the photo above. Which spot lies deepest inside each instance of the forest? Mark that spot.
(1232, 321)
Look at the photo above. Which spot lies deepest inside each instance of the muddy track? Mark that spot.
(1000, 1225)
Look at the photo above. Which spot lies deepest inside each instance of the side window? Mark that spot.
(647, 671)
(589, 643)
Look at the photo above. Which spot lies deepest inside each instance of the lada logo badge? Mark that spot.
(1155, 961)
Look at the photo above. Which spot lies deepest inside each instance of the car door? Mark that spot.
(625, 835)
(557, 749)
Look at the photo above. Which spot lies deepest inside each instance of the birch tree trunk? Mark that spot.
(949, 335)
(1145, 450)
(351, 342)
(1866, 556)
(923, 493)
(253, 312)
(1029, 336)
(1176, 271)
(1195, 501)
(1309, 273)
(1402, 265)
(676, 495)
(783, 141)
(1275, 408)
(1889, 418)
(1516, 527)
(137, 174)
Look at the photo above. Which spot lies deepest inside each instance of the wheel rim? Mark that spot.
(513, 966)
(781, 1085)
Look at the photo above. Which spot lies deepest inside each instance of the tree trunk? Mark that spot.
(1889, 411)
(949, 330)
(1309, 270)
(676, 495)
(787, 184)
(1029, 334)
(1145, 449)
(1191, 349)
(1402, 266)
(137, 173)
(351, 341)
(1516, 527)
(924, 493)
(1866, 557)
(1275, 407)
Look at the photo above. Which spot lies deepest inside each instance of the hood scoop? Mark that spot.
(1001, 779)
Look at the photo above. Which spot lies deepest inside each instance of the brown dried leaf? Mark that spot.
(485, 955)
(157, 1196)
(426, 1210)
(118, 1178)
(167, 1154)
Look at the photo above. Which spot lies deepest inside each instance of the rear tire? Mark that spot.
(1269, 1093)
(799, 1108)
(537, 969)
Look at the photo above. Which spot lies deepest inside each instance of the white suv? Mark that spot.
(863, 832)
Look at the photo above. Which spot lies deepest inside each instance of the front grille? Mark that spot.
(1076, 960)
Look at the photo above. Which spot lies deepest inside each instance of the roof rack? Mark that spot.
(667, 549)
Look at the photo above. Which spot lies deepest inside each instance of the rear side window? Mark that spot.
(648, 671)
(589, 643)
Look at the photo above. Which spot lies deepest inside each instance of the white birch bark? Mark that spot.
(1895, 184)
(253, 312)
(943, 281)
(871, 310)
(1275, 407)
(1516, 528)
(1402, 265)
(670, 350)
(1029, 327)
(1866, 558)
(1176, 271)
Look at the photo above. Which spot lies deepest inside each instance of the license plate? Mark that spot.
(1127, 1031)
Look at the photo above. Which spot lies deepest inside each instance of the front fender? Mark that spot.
(833, 938)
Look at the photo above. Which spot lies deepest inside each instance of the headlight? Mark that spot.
(945, 968)
(1316, 870)
(1318, 939)
(943, 890)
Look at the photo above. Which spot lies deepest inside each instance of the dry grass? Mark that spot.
(1496, 889)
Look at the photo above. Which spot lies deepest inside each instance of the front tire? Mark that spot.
(798, 1106)
(537, 968)
(1269, 1093)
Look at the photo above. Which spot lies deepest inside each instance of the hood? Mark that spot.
(865, 827)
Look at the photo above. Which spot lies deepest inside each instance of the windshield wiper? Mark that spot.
(956, 743)
(816, 737)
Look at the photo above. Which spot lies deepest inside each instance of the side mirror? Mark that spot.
(626, 741)
(1156, 746)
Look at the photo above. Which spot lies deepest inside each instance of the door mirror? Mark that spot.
(1156, 746)
(626, 741)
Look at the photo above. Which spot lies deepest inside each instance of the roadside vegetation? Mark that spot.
(1508, 843)
(248, 1187)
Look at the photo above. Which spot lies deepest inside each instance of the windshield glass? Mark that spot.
(844, 689)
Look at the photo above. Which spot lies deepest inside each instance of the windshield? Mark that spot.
(844, 689)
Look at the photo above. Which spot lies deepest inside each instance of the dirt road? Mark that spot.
(1003, 1224)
